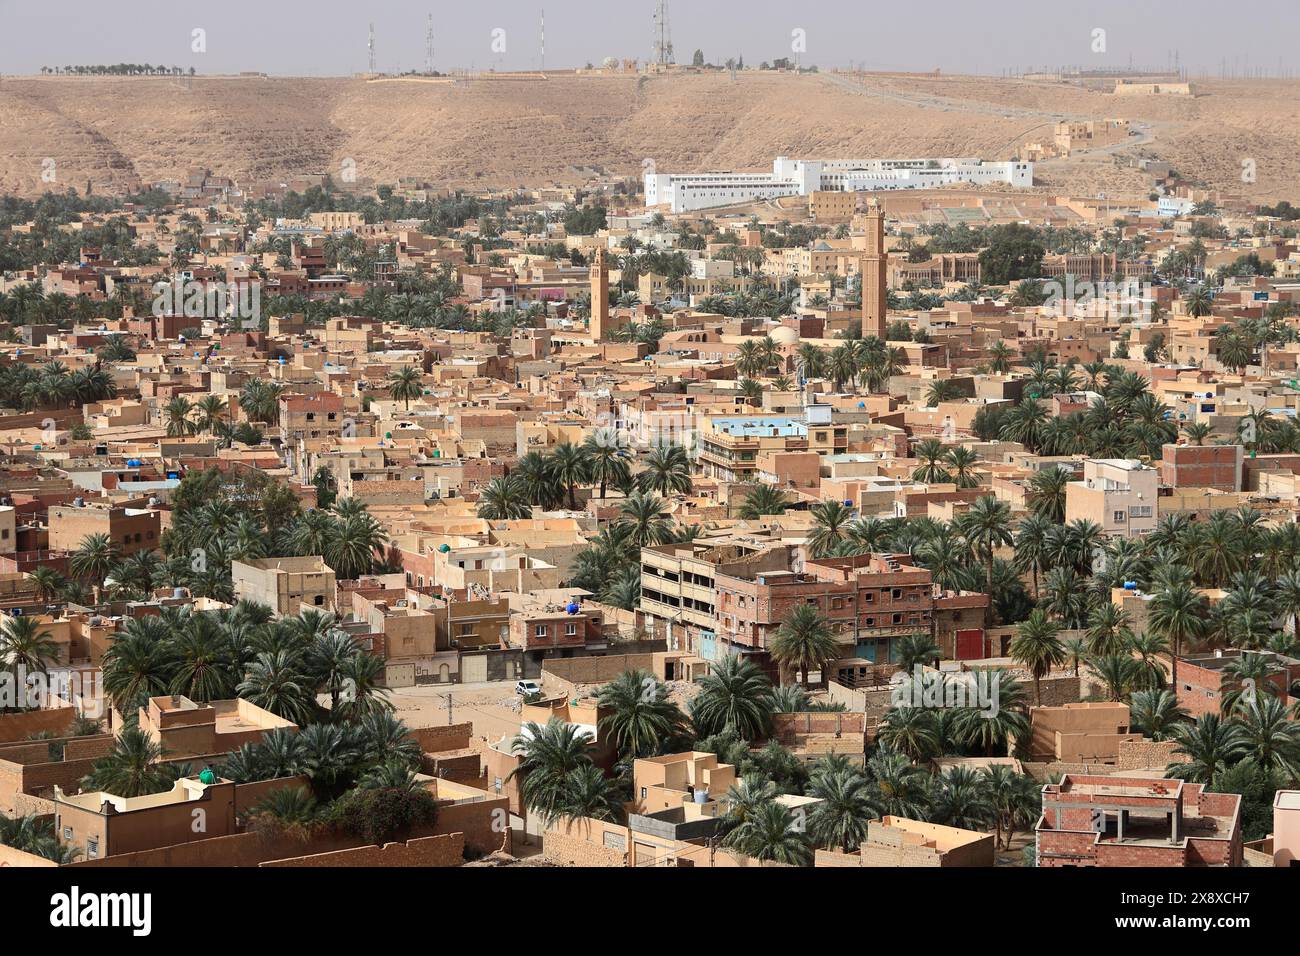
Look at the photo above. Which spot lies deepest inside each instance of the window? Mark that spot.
(540, 630)
(318, 600)
(67, 833)
(496, 784)
(92, 848)
(1119, 517)
(570, 630)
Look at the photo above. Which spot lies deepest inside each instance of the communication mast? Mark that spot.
(663, 41)
(370, 47)
(428, 44)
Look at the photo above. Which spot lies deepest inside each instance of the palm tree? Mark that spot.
(962, 800)
(212, 412)
(911, 650)
(588, 794)
(769, 833)
(1197, 432)
(962, 461)
(1107, 629)
(290, 810)
(913, 731)
(646, 516)
(569, 467)
(1119, 673)
(537, 473)
(804, 640)
(551, 755)
(1155, 713)
(404, 385)
(640, 716)
(987, 526)
(898, 787)
(1199, 301)
(138, 664)
(1272, 740)
(177, 415)
(763, 499)
(1046, 493)
(504, 499)
(667, 470)
(941, 390)
(831, 518)
(26, 645)
(1031, 546)
(606, 458)
(352, 544)
(276, 681)
(845, 809)
(1015, 798)
(930, 453)
(1210, 744)
(94, 558)
(1177, 613)
(1037, 647)
(131, 768)
(47, 582)
(734, 697)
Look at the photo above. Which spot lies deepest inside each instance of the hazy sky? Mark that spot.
(329, 36)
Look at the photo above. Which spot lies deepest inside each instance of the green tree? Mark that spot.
(804, 641)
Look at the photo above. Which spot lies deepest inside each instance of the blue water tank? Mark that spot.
(572, 608)
(1130, 586)
(848, 502)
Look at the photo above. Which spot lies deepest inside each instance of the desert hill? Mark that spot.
(120, 133)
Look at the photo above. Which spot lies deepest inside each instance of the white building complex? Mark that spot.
(799, 177)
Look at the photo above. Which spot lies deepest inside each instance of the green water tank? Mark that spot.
(207, 776)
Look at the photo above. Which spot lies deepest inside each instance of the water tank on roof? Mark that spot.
(444, 548)
(78, 502)
(572, 608)
(848, 503)
(1130, 586)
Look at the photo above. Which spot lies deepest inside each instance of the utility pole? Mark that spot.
(370, 47)
(448, 698)
(543, 39)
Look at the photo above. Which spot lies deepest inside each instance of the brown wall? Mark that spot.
(445, 850)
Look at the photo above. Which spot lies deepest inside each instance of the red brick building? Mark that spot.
(1137, 821)
(1202, 684)
(1201, 466)
(870, 599)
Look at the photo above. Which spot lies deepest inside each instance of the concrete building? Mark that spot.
(285, 585)
(1118, 494)
(684, 192)
(130, 529)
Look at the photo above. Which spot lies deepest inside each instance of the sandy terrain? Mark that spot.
(121, 132)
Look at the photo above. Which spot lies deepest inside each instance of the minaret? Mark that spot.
(874, 267)
(599, 324)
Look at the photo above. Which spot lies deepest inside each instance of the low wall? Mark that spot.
(445, 850)
(21, 726)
